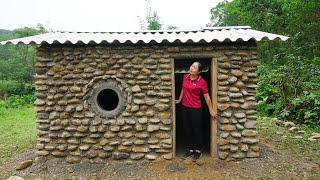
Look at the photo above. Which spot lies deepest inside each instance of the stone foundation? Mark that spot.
(71, 126)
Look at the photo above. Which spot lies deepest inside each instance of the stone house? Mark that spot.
(110, 95)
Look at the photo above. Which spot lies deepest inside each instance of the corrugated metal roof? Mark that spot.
(205, 35)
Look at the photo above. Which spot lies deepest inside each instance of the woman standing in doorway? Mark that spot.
(193, 86)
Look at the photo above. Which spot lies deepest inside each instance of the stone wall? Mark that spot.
(69, 127)
(237, 80)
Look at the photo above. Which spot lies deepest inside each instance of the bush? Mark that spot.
(267, 92)
(16, 101)
(290, 91)
(304, 109)
(16, 88)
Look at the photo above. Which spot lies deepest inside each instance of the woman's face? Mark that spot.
(194, 69)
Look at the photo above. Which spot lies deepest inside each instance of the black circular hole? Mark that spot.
(108, 99)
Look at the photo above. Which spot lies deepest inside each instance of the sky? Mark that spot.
(102, 15)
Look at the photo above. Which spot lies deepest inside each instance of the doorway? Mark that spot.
(181, 67)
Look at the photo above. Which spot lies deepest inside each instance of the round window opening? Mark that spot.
(108, 99)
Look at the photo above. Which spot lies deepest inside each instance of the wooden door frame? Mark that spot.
(213, 122)
(214, 97)
(173, 108)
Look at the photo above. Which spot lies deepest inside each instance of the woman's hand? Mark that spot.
(209, 103)
(213, 115)
(178, 101)
(181, 94)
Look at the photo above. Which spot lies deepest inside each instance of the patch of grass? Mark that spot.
(301, 147)
(17, 130)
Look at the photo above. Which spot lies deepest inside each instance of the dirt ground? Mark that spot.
(273, 164)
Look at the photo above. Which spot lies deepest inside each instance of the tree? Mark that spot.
(17, 62)
(289, 73)
(153, 22)
(152, 18)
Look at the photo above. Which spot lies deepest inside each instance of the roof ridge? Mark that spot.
(135, 32)
(205, 35)
(163, 31)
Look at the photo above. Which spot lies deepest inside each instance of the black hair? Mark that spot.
(199, 66)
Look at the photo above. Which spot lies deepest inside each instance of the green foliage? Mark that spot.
(152, 19)
(290, 91)
(17, 62)
(17, 115)
(305, 109)
(289, 73)
(20, 94)
(6, 34)
(153, 22)
(16, 101)
(16, 88)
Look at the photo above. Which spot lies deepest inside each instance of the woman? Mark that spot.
(193, 86)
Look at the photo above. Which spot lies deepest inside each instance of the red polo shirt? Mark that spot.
(192, 91)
